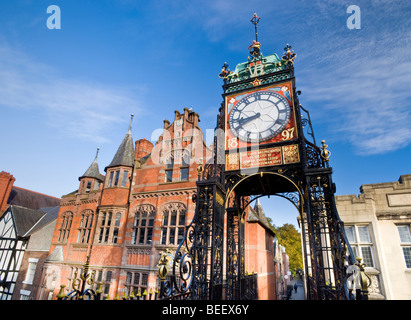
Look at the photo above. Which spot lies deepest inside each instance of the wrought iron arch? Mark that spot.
(261, 173)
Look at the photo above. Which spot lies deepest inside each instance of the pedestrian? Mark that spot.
(295, 287)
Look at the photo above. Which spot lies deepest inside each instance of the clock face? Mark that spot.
(259, 116)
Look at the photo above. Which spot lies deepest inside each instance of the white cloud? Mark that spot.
(73, 107)
(359, 81)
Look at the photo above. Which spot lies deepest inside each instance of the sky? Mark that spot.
(64, 92)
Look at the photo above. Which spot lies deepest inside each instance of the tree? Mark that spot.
(289, 237)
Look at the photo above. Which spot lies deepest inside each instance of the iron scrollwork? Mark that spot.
(79, 285)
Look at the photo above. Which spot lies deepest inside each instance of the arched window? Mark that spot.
(64, 230)
(86, 223)
(173, 228)
(143, 224)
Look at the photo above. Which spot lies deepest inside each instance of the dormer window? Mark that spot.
(88, 187)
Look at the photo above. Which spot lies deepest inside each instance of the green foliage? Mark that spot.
(289, 237)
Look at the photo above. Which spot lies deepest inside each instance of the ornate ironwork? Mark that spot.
(255, 20)
(79, 285)
(198, 262)
(306, 122)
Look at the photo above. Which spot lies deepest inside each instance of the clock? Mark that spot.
(259, 116)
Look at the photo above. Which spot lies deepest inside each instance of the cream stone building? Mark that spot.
(377, 224)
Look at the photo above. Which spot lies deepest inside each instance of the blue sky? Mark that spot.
(63, 93)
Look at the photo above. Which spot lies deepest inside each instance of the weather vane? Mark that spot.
(255, 21)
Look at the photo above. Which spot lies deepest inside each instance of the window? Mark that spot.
(64, 230)
(124, 181)
(143, 225)
(405, 242)
(184, 170)
(349, 230)
(88, 187)
(104, 277)
(24, 295)
(116, 178)
(136, 282)
(169, 169)
(360, 241)
(110, 182)
(175, 159)
(84, 230)
(183, 174)
(172, 231)
(116, 227)
(108, 231)
(405, 235)
(31, 270)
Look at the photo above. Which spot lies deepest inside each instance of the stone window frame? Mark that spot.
(358, 244)
(118, 178)
(405, 245)
(143, 224)
(136, 282)
(65, 227)
(86, 224)
(109, 226)
(173, 229)
(31, 270)
(105, 277)
(177, 160)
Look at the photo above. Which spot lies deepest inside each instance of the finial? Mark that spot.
(289, 55)
(255, 19)
(98, 149)
(254, 48)
(325, 154)
(131, 121)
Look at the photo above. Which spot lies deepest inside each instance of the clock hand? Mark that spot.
(244, 121)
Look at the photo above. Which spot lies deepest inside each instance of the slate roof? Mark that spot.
(31, 199)
(257, 215)
(27, 221)
(93, 171)
(51, 215)
(125, 153)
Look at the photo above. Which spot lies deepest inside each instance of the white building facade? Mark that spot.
(377, 224)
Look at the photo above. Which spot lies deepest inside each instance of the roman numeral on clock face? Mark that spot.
(259, 116)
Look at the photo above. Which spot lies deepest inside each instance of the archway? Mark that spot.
(240, 196)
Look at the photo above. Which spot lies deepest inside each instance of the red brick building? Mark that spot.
(123, 219)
